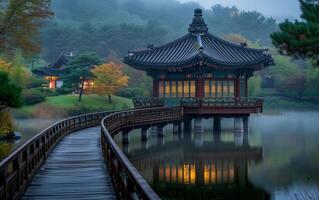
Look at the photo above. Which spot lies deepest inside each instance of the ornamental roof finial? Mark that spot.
(198, 25)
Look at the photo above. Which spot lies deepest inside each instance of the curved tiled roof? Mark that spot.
(198, 47)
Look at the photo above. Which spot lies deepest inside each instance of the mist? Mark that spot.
(279, 9)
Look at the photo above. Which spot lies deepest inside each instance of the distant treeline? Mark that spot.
(111, 27)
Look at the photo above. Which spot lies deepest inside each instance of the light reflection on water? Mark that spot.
(278, 160)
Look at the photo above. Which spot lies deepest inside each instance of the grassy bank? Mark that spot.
(68, 105)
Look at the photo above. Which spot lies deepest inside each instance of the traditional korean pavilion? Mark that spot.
(199, 64)
(53, 71)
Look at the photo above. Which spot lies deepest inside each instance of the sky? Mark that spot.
(279, 9)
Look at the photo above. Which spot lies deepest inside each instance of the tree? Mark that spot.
(109, 79)
(9, 93)
(300, 38)
(79, 70)
(289, 78)
(312, 84)
(19, 23)
(18, 73)
(294, 85)
(254, 85)
(236, 38)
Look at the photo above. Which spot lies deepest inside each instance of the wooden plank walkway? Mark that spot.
(75, 169)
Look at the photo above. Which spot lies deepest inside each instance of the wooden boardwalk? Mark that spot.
(74, 170)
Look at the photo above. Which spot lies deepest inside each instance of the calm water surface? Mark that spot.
(27, 128)
(279, 159)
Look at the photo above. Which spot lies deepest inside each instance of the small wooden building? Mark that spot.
(53, 71)
(199, 65)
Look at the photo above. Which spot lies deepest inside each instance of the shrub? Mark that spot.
(48, 92)
(37, 83)
(130, 92)
(32, 96)
(79, 110)
(63, 91)
(6, 124)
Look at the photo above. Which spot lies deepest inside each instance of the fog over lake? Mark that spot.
(279, 9)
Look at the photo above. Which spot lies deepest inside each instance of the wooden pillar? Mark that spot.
(188, 125)
(217, 125)
(237, 87)
(238, 125)
(160, 130)
(177, 127)
(246, 87)
(155, 88)
(246, 124)
(198, 125)
(200, 88)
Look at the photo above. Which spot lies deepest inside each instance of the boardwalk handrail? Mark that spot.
(18, 169)
(128, 182)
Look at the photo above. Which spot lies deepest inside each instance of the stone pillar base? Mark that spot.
(125, 137)
(198, 126)
(238, 125)
(144, 135)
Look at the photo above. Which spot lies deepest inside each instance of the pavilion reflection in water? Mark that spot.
(192, 166)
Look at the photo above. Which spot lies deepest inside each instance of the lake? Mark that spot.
(278, 159)
(27, 128)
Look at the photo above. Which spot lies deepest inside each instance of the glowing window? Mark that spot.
(193, 174)
(206, 174)
(186, 88)
(180, 88)
(192, 88)
(173, 174)
(161, 89)
(213, 174)
(219, 89)
(167, 89)
(174, 88)
(180, 174)
(225, 89)
(186, 174)
(207, 88)
(213, 89)
(167, 173)
(231, 89)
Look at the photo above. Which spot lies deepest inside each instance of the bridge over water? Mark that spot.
(72, 160)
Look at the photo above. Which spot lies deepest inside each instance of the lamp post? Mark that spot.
(81, 88)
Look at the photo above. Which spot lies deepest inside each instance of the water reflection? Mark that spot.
(27, 128)
(197, 166)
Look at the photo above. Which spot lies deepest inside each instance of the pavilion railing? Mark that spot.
(128, 182)
(236, 102)
(222, 102)
(142, 102)
(18, 169)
